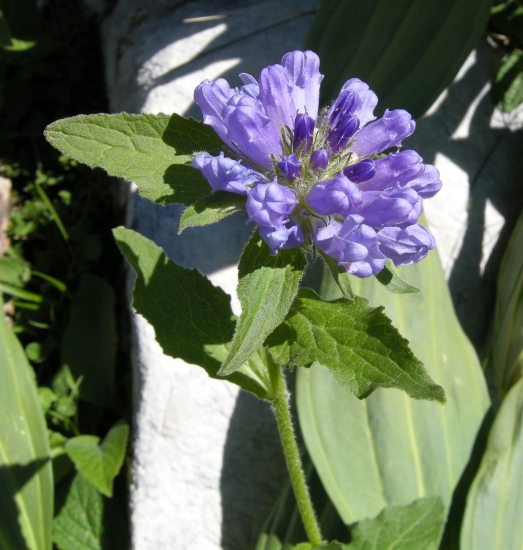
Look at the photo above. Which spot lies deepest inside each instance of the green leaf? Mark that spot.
(19, 45)
(339, 274)
(506, 345)
(99, 463)
(26, 505)
(412, 527)
(267, 287)
(508, 84)
(507, 18)
(79, 525)
(356, 342)
(211, 209)
(153, 151)
(21, 293)
(494, 504)
(393, 283)
(192, 318)
(14, 271)
(47, 397)
(408, 51)
(89, 342)
(390, 449)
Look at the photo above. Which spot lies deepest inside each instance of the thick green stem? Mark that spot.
(280, 404)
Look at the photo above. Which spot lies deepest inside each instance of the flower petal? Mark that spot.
(305, 78)
(388, 131)
(225, 174)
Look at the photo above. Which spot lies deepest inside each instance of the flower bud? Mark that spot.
(360, 172)
(290, 166)
(320, 159)
(270, 204)
(303, 132)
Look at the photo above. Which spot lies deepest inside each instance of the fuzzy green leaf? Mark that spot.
(79, 525)
(192, 318)
(153, 151)
(339, 274)
(412, 527)
(266, 289)
(100, 463)
(393, 282)
(356, 342)
(211, 209)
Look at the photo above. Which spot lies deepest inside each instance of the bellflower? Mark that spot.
(333, 178)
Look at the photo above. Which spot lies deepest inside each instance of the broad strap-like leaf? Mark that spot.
(26, 479)
(508, 84)
(267, 287)
(211, 208)
(506, 344)
(153, 151)
(99, 463)
(79, 525)
(192, 318)
(393, 282)
(356, 342)
(494, 507)
(390, 449)
(408, 51)
(416, 526)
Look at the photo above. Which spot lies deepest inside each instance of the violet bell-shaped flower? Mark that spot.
(290, 166)
(316, 178)
(288, 235)
(270, 204)
(353, 244)
(405, 246)
(224, 174)
(338, 196)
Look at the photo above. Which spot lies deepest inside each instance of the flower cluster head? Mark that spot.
(319, 177)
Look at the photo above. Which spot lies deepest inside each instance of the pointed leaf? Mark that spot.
(79, 525)
(393, 282)
(339, 274)
(266, 289)
(211, 209)
(192, 318)
(153, 151)
(506, 346)
(14, 271)
(99, 463)
(356, 342)
(390, 449)
(408, 51)
(494, 503)
(26, 504)
(417, 525)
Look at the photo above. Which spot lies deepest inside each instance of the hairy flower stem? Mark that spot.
(280, 405)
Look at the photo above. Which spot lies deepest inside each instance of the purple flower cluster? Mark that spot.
(319, 177)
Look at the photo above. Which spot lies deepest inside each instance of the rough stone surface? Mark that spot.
(207, 464)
